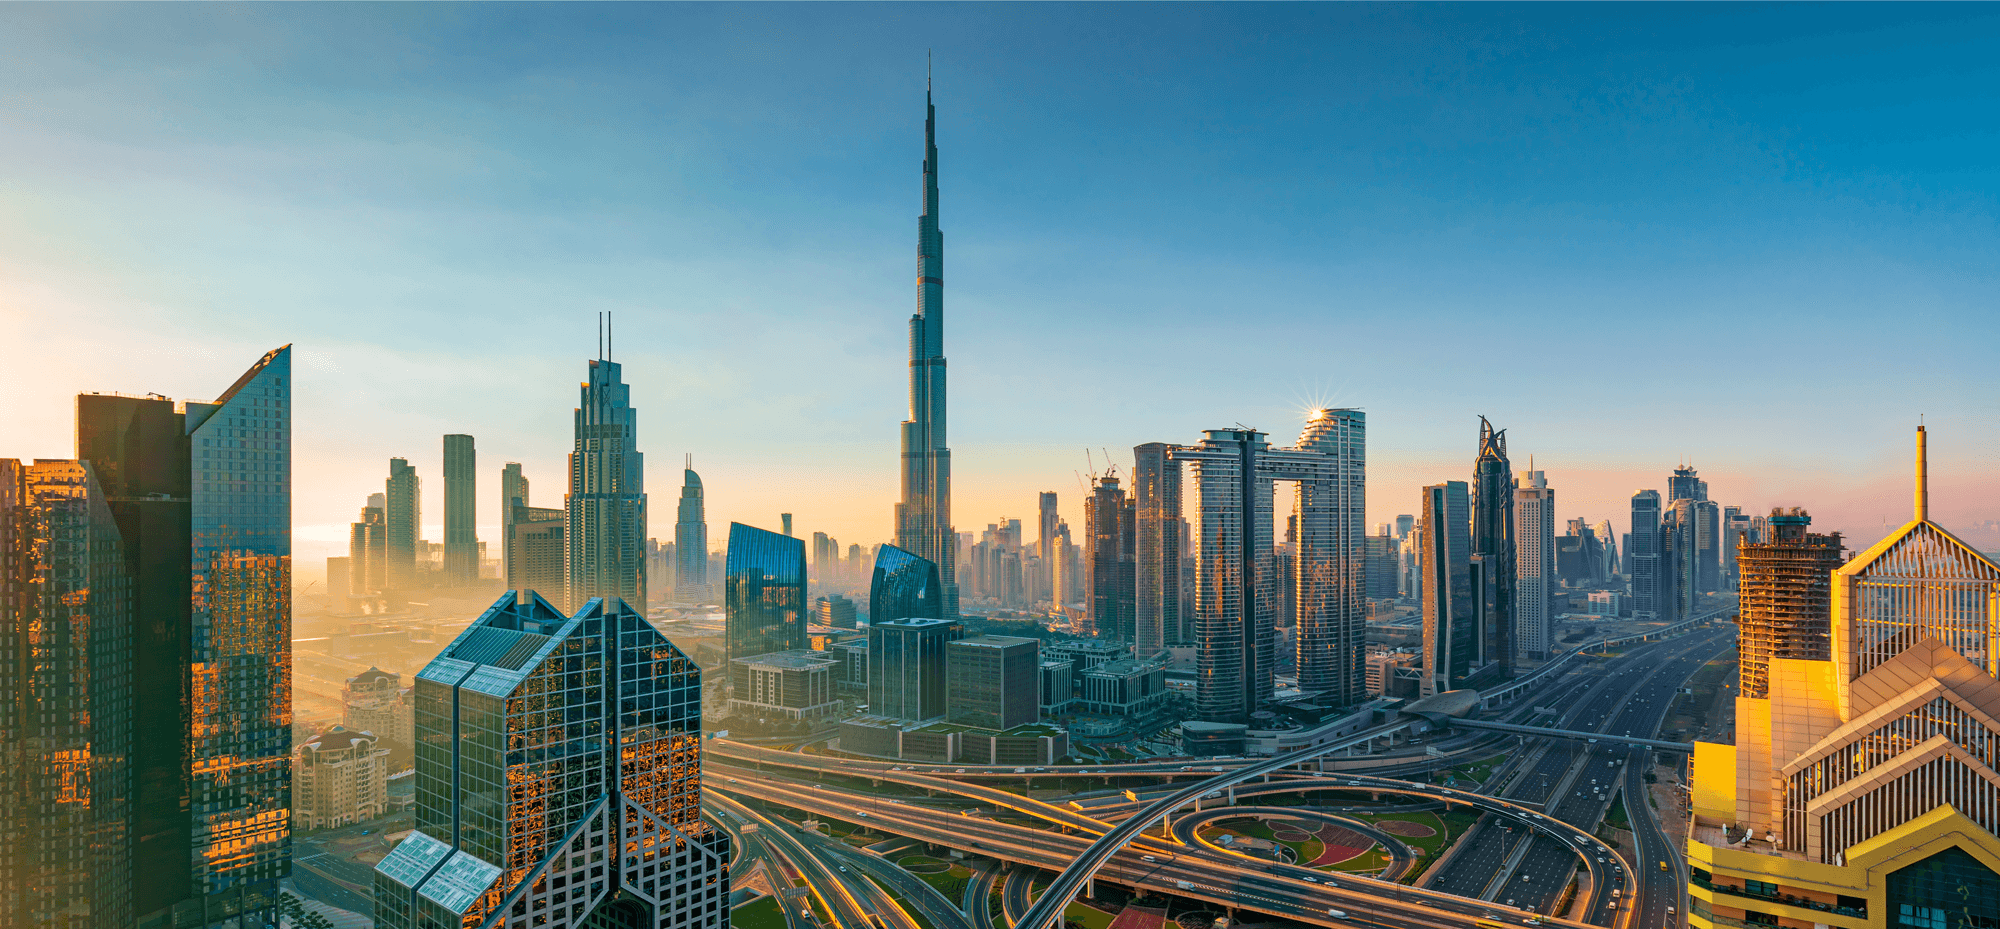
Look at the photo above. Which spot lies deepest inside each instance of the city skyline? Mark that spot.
(788, 389)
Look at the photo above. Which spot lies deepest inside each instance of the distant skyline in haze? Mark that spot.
(1759, 239)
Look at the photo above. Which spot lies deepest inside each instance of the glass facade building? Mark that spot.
(605, 539)
(66, 626)
(691, 541)
(906, 667)
(903, 585)
(461, 497)
(1495, 551)
(1158, 531)
(201, 494)
(558, 780)
(923, 518)
(403, 514)
(1451, 630)
(994, 681)
(764, 592)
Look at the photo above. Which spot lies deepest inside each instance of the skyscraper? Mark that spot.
(1046, 520)
(404, 518)
(903, 585)
(606, 503)
(1451, 633)
(1863, 784)
(558, 773)
(1608, 540)
(66, 701)
(461, 512)
(992, 682)
(1642, 555)
(764, 592)
(1332, 559)
(906, 667)
(535, 550)
(691, 541)
(1493, 548)
(1107, 560)
(201, 494)
(1785, 599)
(923, 518)
(513, 492)
(826, 558)
(1534, 565)
(368, 550)
(1680, 560)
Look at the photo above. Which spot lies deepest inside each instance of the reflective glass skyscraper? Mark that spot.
(903, 585)
(558, 780)
(66, 702)
(1451, 630)
(923, 518)
(1331, 561)
(605, 535)
(201, 493)
(691, 541)
(1157, 529)
(764, 592)
(1492, 562)
(1642, 555)
(403, 513)
(461, 534)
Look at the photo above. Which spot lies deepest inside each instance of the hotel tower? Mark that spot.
(923, 519)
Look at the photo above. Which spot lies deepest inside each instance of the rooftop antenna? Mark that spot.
(607, 336)
(1923, 476)
(690, 462)
(600, 335)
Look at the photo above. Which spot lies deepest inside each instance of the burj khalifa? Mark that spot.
(923, 519)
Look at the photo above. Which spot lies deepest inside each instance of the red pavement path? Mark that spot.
(1139, 917)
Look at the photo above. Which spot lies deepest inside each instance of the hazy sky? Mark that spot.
(1758, 238)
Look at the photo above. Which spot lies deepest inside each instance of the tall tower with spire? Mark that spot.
(604, 550)
(923, 518)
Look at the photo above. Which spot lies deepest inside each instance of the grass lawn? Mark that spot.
(916, 915)
(761, 913)
(950, 882)
(1089, 917)
(996, 907)
(1617, 818)
(1374, 859)
(1478, 771)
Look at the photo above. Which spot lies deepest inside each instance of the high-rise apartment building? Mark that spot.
(1451, 634)
(826, 558)
(764, 592)
(903, 585)
(1493, 572)
(1680, 560)
(558, 780)
(906, 667)
(606, 504)
(1157, 540)
(1108, 560)
(1046, 519)
(691, 541)
(339, 777)
(461, 512)
(1735, 531)
(1863, 788)
(1642, 555)
(1381, 555)
(1785, 598)
(1331, 561)
(923, 518)
(513, 493)
(536, 550)
(368, 550)
(1534, 565)
(403, 517)
(992, 682)
(67, 629)
(192, 506)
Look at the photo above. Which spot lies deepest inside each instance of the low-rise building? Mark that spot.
(339, 777)
(790, 686)
(1124, 688)
(1058, 692)
(376, 701)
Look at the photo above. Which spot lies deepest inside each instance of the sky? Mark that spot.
(1757, 239)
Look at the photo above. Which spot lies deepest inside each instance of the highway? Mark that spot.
(1187, 828)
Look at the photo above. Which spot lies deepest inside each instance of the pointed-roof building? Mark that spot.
(1864, 790)
(923, 518)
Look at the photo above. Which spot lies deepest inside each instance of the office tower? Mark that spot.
(1680, 560)
(403, 518)
(535, 551)
(786, 520)
(1404, 523)
(1045, 542)
(461, 533)
(1534, 565)
(834, 611)
(923, 518)
(1063, 574)
(1785, 599)
(1607, 540)
(1451, 635)
(1683, 484)
(1708, 546)
(1735, 531)
(992, 682)
(606, 503)
(66, 701)
(1108, 559)
(1492, 561)
(201, 496)
(1642, 555)
(1381, 554)
(691, 541)
(1332, 564)
(794, 688)
(764, 592)
(558, 780)
(1861, 788)
(857, 566)
(906, 666)
(513, 492)
(903, 585)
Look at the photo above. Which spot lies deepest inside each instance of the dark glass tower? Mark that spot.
(66, 626)
(461, 533)
(903, 585)
(1492, 563)
(1157, 533)
(558, 780)
(1451, 634)
(906, 667)
(605, 536)
(764, 592)
(202, 498)
(1108, 560)
(403, 512)
(691, 541)
(923, 518)
(1643, 557)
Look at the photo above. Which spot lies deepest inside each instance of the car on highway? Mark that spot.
(1663, 866)
(1310, 880)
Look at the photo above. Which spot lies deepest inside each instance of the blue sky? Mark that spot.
(1761, 238)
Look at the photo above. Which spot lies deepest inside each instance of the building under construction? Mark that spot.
(1784, 597)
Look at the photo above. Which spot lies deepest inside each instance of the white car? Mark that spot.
(1311, 880)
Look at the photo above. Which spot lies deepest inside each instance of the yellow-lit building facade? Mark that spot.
(1864, 790)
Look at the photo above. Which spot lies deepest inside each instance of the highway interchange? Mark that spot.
(1515, 852)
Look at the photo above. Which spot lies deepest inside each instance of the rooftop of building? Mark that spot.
(1123, 666)
(994, 641)
(797, 659)
(916, 622)
(339, 738)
